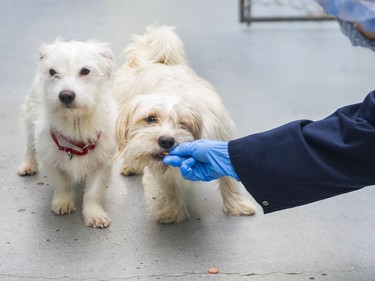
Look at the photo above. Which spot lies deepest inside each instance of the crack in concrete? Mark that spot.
(33, 277)
(184, 274)
(272, 273)
(324, 271)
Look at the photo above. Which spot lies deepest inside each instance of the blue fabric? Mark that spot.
(305, 161)
(360, 11)
(356, 37)
(349, 13)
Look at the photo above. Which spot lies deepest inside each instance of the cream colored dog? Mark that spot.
(163, 103)
(70, 118)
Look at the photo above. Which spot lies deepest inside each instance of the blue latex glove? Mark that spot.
(202, 160)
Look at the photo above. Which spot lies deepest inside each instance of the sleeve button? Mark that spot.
(265, 203)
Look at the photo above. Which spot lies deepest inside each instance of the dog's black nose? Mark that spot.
(166, 142)
(67, 96)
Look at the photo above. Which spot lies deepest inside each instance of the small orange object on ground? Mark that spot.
(213, 270)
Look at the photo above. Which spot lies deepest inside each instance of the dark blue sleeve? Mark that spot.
(305, 161)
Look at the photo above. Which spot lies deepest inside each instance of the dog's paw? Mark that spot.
(27, 169)
(96, 217)
(63, 206)
(169, 215)
(239, 208)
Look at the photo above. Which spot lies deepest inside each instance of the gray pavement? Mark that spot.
(267, 74)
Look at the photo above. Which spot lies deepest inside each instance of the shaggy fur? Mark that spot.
(79, 72)
(163, 103)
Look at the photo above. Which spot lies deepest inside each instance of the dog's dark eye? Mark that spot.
(84, 71)
(183, 126)
(151, 119)
(52, 72)
(187, 126)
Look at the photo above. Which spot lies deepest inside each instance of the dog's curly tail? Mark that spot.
(160, 44)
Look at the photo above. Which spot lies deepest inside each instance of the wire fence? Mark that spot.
(281, 10)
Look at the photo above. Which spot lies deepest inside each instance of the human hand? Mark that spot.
(201, 160)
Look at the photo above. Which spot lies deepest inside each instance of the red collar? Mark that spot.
(85, 147)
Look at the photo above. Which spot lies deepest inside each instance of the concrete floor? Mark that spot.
(267, 74)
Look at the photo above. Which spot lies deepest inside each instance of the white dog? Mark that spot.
(70, 118)
(163, 103)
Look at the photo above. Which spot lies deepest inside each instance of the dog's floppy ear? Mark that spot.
(43, 47)
(125, 122)
(42, 50)
(107, 55)
(122, 128)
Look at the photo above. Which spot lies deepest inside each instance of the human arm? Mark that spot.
(297, 163)
(305, 161)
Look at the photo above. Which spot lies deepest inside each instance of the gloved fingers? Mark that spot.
(183, 149)
(174, 161)
(188, 173)
(190, 162)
